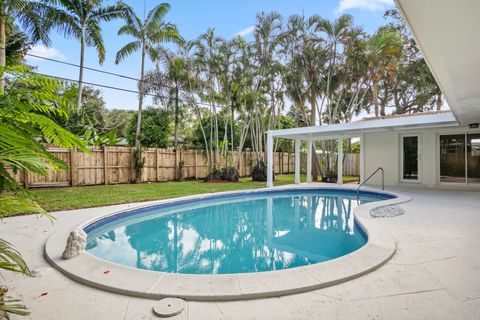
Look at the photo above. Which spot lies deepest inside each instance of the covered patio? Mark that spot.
(361, 130)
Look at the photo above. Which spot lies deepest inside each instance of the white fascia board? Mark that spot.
(358, 127)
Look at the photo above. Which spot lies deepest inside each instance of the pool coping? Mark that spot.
(102, 274)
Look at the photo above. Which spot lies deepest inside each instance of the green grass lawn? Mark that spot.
(56, 199)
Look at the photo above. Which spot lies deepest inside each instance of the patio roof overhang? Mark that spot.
(447, 34)
(334, 131)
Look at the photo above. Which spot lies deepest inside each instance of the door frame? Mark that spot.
(419, 157)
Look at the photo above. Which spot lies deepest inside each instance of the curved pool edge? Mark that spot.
(90, 270)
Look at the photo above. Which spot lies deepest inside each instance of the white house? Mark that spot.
(430, 149)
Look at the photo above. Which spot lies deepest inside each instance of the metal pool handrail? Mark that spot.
(368, 178)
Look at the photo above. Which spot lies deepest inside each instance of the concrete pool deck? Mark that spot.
(435, 273)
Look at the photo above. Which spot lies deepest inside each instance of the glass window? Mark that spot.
(452, 158)
(473, 158)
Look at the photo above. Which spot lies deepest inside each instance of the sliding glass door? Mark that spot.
(473, 158)
(460, 158)
(452, 158)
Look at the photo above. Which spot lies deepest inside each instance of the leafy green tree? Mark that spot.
(414, 88)
(26, 110)
(197, 140)
(117, 120)
(383, 51)
(91, 113)
(285, 145)
(156, 128)
(146, 34)
(166, 82)
(81, 19)
(17, 45)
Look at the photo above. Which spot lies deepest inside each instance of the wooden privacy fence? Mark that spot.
(115, 165)
(351, 162)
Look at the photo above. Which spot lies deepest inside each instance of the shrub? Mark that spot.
(330, 177)
(259, 172)
(230, 174)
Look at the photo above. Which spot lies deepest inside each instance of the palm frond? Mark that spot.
(129, 31)
(109, 13)
(94, 34)
(165, 33)
(157, 14)
(14, 205)
(132, 19)
(11, 259)
(12, 306)
(127, 50)
(65, 23)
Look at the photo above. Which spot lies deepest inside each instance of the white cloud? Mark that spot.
(42, 51)
(371, 5)
(245, 32)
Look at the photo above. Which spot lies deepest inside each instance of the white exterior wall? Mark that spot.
(382, 149)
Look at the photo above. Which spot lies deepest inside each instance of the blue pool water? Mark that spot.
(254, 232)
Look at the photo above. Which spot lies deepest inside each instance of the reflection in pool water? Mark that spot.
(259, 233)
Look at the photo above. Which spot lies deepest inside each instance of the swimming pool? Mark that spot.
(234, 233)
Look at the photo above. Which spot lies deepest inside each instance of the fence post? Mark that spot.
(195, 163)
(240, 162)
(156, 164)
(25, 179)
(73, 167)
(175, 175)
(105, 163)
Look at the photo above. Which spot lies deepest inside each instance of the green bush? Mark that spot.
(230, 174)
(156, 128)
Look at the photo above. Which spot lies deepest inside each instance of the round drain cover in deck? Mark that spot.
(168, 307)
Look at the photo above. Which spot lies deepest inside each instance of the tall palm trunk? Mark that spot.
(80, 76)
(385, 99)
(232, 115)
(375, 93)
(3, 43)
(140, 99)
(175, 137)
(313, 102)
(439, 102)
(215, 136)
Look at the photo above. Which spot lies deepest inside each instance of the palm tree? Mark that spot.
(207, 61)
(168, 82)
(81, 20)
(147, 35)
(306, 57)
(265, 48)
(337, 33)
(383, 49)
(30, 15)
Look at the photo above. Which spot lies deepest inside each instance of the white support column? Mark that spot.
(297, 160)
(296, 210)
(269, 160)
(269, 220)
(340, 161)
(362, 158)
(309, 161)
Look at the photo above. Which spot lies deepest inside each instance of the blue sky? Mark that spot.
(192, 17)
